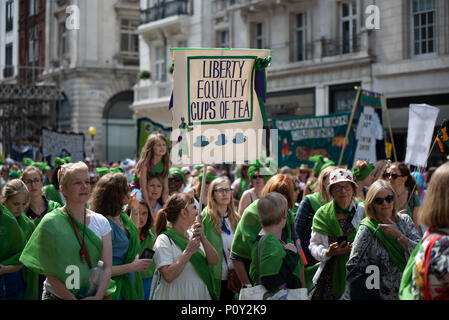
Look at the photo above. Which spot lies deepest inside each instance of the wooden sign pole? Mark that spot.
(203, 184)
(354, 107)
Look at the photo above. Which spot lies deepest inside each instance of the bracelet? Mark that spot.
(402, 236)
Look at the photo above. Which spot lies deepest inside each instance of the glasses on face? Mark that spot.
(340, 188)
(222, 191)
(379, 201)
(30, 182)
(394, 176)
(257, 176)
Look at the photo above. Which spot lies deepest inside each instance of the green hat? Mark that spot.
(178, 172)
(199, 167)
(61, 161)
(209, 177)
(320, 164)
(27, 162)
(14, 174)
(360, 175)
(256, 165)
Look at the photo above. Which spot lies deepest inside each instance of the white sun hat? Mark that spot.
(340, 175)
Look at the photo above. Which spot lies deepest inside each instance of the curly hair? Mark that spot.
(108, 194)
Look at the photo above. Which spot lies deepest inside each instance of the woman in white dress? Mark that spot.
(183, 254)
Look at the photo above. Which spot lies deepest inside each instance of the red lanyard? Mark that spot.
(83, 252)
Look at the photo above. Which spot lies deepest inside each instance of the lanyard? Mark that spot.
(83, 252)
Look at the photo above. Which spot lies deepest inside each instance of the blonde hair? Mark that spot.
(435, 210)
(324, 176)
(271, 208)
(13, 188)
(375, 188)
(212, 206)
(66, 170)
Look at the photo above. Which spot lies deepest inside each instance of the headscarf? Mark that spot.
(320, 164)
(180, 173)
(360, 175)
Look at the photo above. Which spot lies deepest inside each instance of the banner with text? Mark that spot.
(303, 137)
(217, 105)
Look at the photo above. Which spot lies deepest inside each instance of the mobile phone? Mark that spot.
(341, 239)
(147, 254)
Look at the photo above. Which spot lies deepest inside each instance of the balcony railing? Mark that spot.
(335, 47)
(164, 10)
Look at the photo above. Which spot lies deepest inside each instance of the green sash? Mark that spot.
(316, 200)
(125, 287)
(272, 255)
(12, 238)
(30, 278)
(217, 242)
(394, 249)
(52, 205)
(198, 261)
(248, 229)
(325, 222)
(405, 289)
(51, 193)
(54, 246)
(148, 243)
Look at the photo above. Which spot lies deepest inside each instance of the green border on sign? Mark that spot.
(220, 57)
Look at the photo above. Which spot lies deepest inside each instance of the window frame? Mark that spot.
(9, 15)
(160, 64)
(412, 30)
(33, 44)
(296, 30)
(220, 43)
(9, 47)
(132, 36)
(351, 18)
(258, 37)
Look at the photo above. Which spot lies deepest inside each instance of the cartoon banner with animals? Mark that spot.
(303, 137)
(218, 105)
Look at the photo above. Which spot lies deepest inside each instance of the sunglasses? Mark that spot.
(379, 201)
(174, 179)
(393, 176)
(257, 177)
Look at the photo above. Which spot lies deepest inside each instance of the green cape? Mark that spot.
(30, 277)
(316, 200)
(272, 255)
(53, 247)
(217, 242)
(405, 289)
(12, 238)
(198, 261)
(394, 249)
(51, 193)
(125, 287)
(325, 222)
(148, 243)
(248, 229)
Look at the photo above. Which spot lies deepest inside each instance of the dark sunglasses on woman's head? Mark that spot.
(393, 176)
(388, 199)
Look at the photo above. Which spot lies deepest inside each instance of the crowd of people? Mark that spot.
(133, 231)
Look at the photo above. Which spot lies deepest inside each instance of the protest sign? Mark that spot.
(218, 105)
(421, 123)
(303, 137)
(61, 144)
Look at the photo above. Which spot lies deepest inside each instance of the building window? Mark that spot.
(34, 7)
(129, 38)
(63, 40)
(423, 12)
(9, 15)
(300, 34)
(33, 45)
(341, 97)
(348, 27)
(9, 69)
(259, 36)
(223, 39)
(161, 73)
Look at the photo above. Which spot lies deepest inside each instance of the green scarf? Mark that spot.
(394, 249)
(125, 287)
(316, 200)
(54, 245)
(30, 278)
(198, 261)
(360, 175)
(217, 242)
(405, 289)
(272, 255)
(12, 238)
(325, 222)
(248, 229)
(51, 193)
(148, 243)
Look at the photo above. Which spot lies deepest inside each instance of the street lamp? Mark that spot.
(92, 132)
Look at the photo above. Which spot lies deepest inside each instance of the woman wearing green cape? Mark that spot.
(333, 231)
(71, 240)
(183, 255)
(219, 221)
(426, 275)
(17, 282)
(304, 217)
(249, 227)
(110, 194)
(390, 248)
